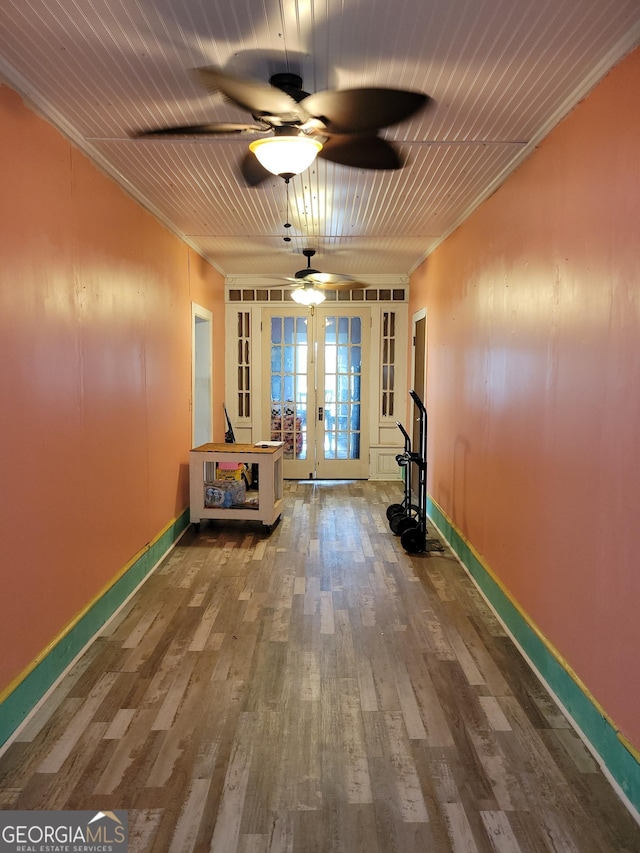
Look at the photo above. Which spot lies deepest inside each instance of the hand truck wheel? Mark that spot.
(414, 540)
(407, 522)
(392, 509)
(399, 520)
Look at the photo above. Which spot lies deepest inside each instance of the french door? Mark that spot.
(317, 393)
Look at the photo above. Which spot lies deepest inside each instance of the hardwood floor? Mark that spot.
(315, 690)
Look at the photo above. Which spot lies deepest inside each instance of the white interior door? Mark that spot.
(316, 393)
(342, 436)
(289, 394)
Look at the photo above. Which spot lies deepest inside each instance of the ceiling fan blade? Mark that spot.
(253, 95)
(336, 282)
(327, 277)
(363, 110)
(253, 172)
(362, 152)
(340, 283)
(213, 129)
(281, 281)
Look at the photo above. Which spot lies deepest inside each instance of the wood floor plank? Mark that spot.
(500, 833)
(66, 743)
(357, 779)
(226, 834)
(315, 690)
(120, 724)
(143, 826)
(410, 709)
(461, 835)
(410, 797)
(496, 717)
(124, 753)
(281, 837)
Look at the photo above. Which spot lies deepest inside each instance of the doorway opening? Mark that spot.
(202, 375)
(419, 371)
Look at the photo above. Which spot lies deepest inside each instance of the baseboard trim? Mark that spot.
(619, 760)
(20, 698)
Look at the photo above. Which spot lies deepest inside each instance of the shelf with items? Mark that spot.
(288, 428)
(236, 481)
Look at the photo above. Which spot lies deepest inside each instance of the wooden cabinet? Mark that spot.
(262, 504)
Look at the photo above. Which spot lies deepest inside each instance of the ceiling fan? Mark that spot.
(337, 125)
(308, 283)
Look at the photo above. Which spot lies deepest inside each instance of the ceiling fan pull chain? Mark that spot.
(287, 224)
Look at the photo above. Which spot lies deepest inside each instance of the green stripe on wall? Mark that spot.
(616, 759)
(32, 687)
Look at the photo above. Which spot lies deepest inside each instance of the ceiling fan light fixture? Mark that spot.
(308, 296)
(286, 156)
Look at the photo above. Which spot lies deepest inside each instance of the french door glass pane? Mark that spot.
(342, 366)
(289, 347)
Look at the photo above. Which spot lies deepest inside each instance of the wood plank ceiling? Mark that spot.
(502, 73)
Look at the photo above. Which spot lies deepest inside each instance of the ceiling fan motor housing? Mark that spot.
(289, 83)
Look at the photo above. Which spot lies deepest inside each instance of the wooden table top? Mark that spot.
(225, 447)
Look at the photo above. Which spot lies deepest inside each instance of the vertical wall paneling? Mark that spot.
(534, 390)
(95, 382)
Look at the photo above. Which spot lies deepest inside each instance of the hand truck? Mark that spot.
(414, 534)
(401, 515)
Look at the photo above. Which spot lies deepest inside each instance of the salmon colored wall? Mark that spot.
(533, 390)
(95, 380)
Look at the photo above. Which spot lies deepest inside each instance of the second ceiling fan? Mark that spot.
(307, 285)
(338, 125)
